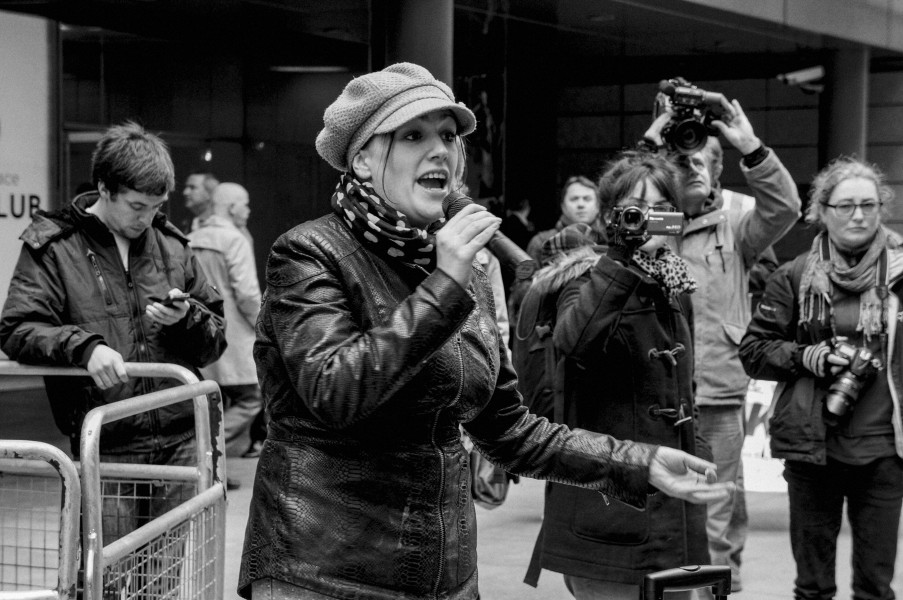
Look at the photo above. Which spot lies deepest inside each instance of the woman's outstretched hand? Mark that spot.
(686, 477)
(459, 240)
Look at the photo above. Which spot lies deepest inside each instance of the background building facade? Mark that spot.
(238, 87)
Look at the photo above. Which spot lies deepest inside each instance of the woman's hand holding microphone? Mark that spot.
(459, 240)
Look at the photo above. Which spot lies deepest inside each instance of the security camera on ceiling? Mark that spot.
(804, 78)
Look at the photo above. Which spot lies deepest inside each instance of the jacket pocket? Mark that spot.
(607, 520)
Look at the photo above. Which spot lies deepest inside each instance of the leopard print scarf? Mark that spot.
(381, 227)
(668, 269)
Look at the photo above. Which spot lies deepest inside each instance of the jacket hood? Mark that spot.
(49, 225)
(550, 280)
(710, 204)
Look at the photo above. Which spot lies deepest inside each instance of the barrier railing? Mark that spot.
(179, 553)
(40, 494)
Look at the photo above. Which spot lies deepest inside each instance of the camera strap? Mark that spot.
(881, 288)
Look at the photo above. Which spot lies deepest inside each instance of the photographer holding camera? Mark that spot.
(622, 325)
(721, 245)
(825, 330)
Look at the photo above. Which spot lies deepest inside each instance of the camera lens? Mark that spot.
(843, 393)
(632, 219)
(689, 136)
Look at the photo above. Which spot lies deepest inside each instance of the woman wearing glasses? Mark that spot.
(622, 332)
(826, 330)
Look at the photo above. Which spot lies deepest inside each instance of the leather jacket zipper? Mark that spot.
(107, 297)
(441, 456)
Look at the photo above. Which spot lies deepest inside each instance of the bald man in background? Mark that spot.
(226, 256)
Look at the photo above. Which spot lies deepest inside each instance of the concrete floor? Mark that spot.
(507, 533)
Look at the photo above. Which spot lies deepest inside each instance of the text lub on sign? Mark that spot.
(14, 203)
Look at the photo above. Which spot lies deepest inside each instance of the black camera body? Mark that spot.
(693, 110)
(631, 223)
(844, 391)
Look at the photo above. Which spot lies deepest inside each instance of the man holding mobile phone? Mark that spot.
(108, 280)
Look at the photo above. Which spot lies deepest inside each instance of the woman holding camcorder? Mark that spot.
(625, 368)
(826, 331)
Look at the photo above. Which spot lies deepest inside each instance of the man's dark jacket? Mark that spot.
(70, 292)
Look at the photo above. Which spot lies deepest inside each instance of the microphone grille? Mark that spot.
(453, 203)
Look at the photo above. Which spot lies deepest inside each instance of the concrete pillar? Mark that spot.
(844, 110)
(422, 32)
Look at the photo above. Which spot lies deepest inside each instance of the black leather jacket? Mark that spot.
(368, 368)
(70, 292)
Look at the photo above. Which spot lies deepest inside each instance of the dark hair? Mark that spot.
(128, 156)
(210, 180)
(584, 181)
(627, 169)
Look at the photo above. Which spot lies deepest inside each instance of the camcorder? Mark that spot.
(633, 224)
(844, 391)
(693, 110)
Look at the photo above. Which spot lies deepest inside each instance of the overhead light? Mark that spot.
(308, 69)
(208, 155)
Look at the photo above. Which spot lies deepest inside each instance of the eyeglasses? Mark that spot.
(846, 209)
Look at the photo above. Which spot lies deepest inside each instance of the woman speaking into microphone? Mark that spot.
(376, 340)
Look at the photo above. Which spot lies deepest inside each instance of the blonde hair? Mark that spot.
(838, 170)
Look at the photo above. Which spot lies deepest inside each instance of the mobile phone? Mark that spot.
(168, 300)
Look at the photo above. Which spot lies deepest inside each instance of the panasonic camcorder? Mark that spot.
(693, 110)
(631, 223)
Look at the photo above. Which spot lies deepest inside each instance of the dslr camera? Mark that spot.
(633, 224)
(844, 391)
(693, 109)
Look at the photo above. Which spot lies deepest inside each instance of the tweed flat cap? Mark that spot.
(575, 235)
(381, 102)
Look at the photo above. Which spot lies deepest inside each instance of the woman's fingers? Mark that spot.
(459, 240)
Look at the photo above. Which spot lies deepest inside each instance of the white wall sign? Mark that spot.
(24, 131)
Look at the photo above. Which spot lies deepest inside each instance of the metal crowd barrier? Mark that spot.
(177, 554)
(40, 498)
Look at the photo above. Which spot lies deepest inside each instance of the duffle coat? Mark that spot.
(368, 366)
(626, 370)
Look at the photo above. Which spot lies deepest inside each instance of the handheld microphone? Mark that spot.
(510, 255)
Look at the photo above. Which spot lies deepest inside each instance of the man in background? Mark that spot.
(721, 243)
(226, 256)
(198, 193)
(579, 204)
(94, 288)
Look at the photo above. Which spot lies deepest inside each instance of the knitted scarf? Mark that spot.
(668, 269)
(382, 228)
(825, 268)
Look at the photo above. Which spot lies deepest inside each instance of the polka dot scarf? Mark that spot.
(382, 228)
